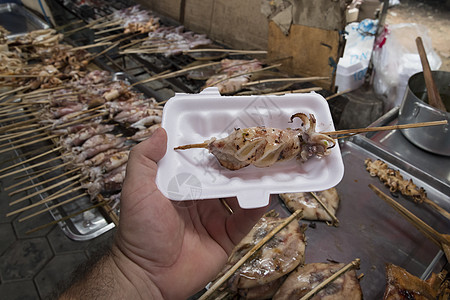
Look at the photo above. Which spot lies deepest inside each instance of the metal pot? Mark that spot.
(414, 109)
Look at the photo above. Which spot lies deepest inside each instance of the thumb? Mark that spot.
(141, 166)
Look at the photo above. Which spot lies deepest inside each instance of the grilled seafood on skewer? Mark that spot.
(312, 209)
(306, 277)
(263, 147)
(263, 273)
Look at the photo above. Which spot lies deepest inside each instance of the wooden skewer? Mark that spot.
(132, 43)
(306, 90)
(305, 79)
(22, 116)
(90, 46)
(44, 91)
(31, 173)
(109, 30)
(26, 154)
(110, 37)
(24, 75)
(42, 182)
(91, 24)
(30, 159)
(354, 131)
(333, 217)
(60, 193)
(27, 138)
(16, 125)
(20, 128)
(251, 252)
(354, 264)
(337, 94)
(8, 109)
(108, 23)
(227, 50)
(44, 190)
(436, 237)
(29, 143)
(52, 207)
(79, 121)
(29, 167)
(14, 91)
(19, 134)
(59, 28)
(104, 51)
(383, 128)
(243, 74)
(39, 174)
(114, 217)
(64, 218)
(176, 73)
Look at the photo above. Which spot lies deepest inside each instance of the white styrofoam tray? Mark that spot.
(196, 174)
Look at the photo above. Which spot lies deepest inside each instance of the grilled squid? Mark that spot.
(263, 147)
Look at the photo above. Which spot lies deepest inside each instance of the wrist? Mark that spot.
(134, 281)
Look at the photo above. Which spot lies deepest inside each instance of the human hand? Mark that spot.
(168, 249)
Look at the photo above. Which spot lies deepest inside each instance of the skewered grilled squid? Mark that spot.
(263, 147)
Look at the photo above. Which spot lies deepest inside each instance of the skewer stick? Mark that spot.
(191, 146)
(45, 200)
(44, 91)
(354, 131)
(226, 50)
(83, 27)
(26, 154)
(19, 128)
(52, 207)
(90, 46)
(305, 79)
(110, 37)
(42, 182)
(64, 218)
(174, 74)
(14, 126)
(79, 121)
(251, 252)
(109, 30)
(243, 74)
(337, 94)
(24, 139)
(383, 128)
(104, 51)
(30, 159)
(436, 237)
(44, 189)
(132, 43)
(354, 264)
(333, 217)
(59, 28)
(16, 135)
(39, 174)
(24, 75)
(14, 91)
(108, 23)
(29, 143)
(114, 217)
(29, 167)
(306, 90)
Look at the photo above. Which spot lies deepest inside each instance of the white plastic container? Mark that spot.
(350, 76)
(196, 174)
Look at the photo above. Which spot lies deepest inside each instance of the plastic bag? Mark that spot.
(352, 67)
(396, 58)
